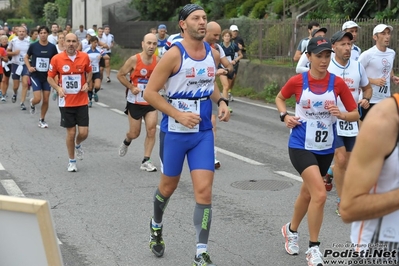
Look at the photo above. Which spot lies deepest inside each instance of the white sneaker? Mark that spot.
(291, 240)
(72, 167)
(79, 153)
(148, 166)
(314, 257)
(123, 149)
(42, 124)
(217, 164)
(3, 99)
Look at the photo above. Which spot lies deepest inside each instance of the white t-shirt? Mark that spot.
(22, 46)
(81, 34)
(378, 64)
(52, 39)
(108, 39)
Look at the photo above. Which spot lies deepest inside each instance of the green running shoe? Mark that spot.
(157, 245)
(203, 260)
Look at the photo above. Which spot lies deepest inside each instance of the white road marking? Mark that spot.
(289, 175)
(13, 190)
(239, 157)
(2, 167)
(118, 111)
(102, 104)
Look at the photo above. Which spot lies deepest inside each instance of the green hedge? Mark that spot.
(19, 21)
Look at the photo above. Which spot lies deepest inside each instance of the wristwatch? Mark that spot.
(283, 115)
(224, 100)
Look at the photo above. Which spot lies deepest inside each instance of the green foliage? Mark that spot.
(247, 6)
(259, 10)
(36, 8)
(63, 6)
(7, 14)
(50, 13)
(19, 21)
(158, 10)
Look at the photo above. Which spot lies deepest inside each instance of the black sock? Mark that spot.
(289, 228)
(145, 159)
(96, 90)
(313, 244)
(126, 143)
(90, 95)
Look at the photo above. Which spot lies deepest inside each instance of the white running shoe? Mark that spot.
(291, 240)
(217, 164)
(72, 167)
(79, 153)
(314, 256)
(148, 166)
(3, 99)
(123, 149)
(42, 124)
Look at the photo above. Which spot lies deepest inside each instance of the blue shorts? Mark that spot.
(38, 85)
(347, 142)
(199, 148)
(24, 72)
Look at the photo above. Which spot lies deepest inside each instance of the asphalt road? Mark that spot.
(102, 212)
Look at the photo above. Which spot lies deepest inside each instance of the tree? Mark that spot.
(36, 8)
(50, 13)
(158, 10)
(63, 6)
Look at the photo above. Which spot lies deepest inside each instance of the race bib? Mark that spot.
(319, 135)
(183, 105)
(347, 129)
(42, 64)
(95, 69)
(139, 96)
(71, 83)
(21, 59)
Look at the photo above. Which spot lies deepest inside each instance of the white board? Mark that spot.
(27, 235)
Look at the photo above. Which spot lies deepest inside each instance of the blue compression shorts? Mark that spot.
(199, 148)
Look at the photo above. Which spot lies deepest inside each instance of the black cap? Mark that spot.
(339, 35)
(319, 44)
(318, 30)
(94, 25)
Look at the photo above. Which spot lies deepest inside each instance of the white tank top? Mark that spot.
(362, 232)
(355, 77)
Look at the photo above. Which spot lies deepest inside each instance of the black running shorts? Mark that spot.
(72, 116)
(137, 111)
(302, 159)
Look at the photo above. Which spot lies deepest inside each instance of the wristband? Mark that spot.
(224, 100)
(367, 99)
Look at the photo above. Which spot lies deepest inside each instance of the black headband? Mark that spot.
(187, 10)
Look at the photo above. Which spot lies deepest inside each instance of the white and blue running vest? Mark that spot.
(317, 130)
(193, 81)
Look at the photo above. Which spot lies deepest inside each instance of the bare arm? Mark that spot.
(376, 139)
(127, 68)
(367, 94)
(225, 62)
(297, 55)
